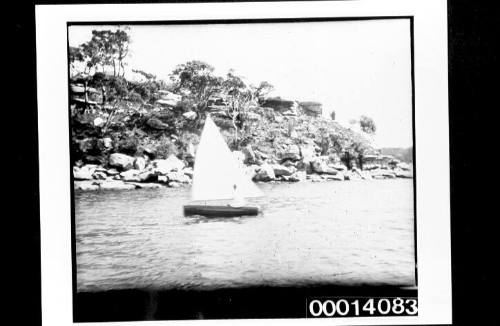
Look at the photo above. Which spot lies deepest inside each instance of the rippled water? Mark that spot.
(333, 232)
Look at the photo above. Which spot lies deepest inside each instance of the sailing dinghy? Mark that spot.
(218, 175)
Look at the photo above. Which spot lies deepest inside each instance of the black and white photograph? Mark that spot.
(219, 156)
(242, 168)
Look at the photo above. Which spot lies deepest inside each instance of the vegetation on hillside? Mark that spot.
(122, 115)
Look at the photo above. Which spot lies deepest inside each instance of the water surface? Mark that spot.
(344, 233)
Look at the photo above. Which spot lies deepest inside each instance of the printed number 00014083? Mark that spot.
(352, 307)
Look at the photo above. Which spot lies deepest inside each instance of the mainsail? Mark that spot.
(216, 169)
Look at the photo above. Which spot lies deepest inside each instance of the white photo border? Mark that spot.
(430, 129)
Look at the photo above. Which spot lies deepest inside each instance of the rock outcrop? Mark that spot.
(121, 161)
(319, 165)
(156, 123)
(281, 170)
(265, 173)
(292, 152)
(84, 173)
(314, 109)
(171, 163)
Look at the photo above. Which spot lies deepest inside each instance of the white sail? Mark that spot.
(216, 170)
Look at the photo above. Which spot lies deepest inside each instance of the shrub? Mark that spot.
(127, 146)
(165, 147)
(133, 96)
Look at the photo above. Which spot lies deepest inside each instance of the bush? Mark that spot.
(127, 146)
(165, 147)
(133, 96)
(186, 138)
(116, 87)
(127, 143)
(367, 125)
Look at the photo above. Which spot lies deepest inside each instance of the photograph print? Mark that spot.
(241, 168)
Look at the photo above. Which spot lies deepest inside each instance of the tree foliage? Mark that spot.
(105, 49)
(262, 90)
(195, 79)
(367, 124)
(196, 82)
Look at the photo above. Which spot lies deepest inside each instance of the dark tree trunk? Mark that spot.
(347, 160)
(360, 161)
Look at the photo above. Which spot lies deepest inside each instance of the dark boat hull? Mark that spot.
(219, 211)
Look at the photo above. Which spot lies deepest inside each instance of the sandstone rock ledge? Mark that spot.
(127, 173)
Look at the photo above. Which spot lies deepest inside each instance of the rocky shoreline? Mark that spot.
(125, 172)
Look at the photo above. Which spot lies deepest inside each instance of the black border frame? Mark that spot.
(151, 298)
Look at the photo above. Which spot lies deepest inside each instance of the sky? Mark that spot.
(352, 67)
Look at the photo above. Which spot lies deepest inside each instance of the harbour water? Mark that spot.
(340, 233)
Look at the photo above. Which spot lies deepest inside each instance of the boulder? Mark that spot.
(151, 153)
(130, 175)
(167, 102)
(84, 173)
(260, 155)
(146, 185)
(178, 176)
(320, 166)
(404, 166)
(403, 174)
(100, 175)
(140, 163)
(298, 176)
(188, 171)
(365, 175)
(315, 178)
(280, 170)
(305, 165)
(382, 174)
(337, 177)
(171, 163)
(292, 152)
(190, 115)
(107, 142)
(265, 173)
(121, 161)
(251, 171)
(310, 108)
(85, 185)
(168, 98)
(335, 159)
(112, 171)
(173, 184)
(162, 178)
(117, 185)
(389, 175)
(100, 169)
(147, 176)
(289, 163)
(339, 167)
(280, 105)
(138, 176)
(156, 123)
